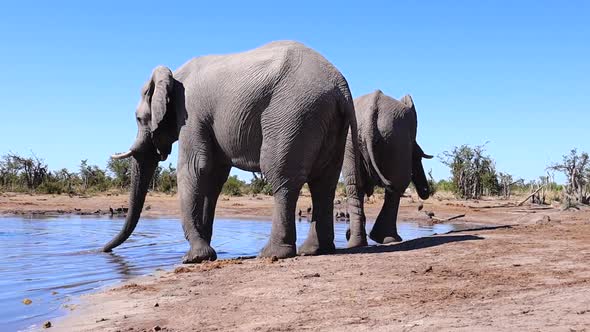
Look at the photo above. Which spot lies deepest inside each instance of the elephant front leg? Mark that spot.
(282, 235)
(194, 184)
(218, 179)
(385, 229)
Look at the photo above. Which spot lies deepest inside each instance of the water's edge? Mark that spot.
(75, 266)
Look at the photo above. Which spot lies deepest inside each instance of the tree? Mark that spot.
(259, 185)
(506, 183)
(167, 180)
(472, 171)
(576, 167)
(30, 171)
(121, 170)
(8, 173)
(93, 177)
(156, 178)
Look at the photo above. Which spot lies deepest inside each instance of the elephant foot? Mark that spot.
(198, 254)
(356, 240)
(312, 247)
(278, 250)
(384, 238)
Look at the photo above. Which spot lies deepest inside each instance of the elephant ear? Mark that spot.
(163, 121)
(408, 101)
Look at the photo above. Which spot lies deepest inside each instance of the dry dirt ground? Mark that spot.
(531, 276)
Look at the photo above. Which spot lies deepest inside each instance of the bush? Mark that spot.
(54, 188)
(446, 185)
(259, 185)
(233, 186)
(432, 185)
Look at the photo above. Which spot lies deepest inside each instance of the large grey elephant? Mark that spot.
(391, 158)
(281, 109)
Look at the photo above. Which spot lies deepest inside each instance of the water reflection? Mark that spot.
(49, 260)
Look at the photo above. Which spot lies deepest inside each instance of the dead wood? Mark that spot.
(531, 195)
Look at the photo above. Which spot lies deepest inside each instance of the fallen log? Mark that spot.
(529, 196)
(491, 206)
(447, 219)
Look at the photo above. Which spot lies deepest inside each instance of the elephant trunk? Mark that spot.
(142, 171)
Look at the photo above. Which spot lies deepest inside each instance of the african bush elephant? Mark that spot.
(281, 109)
(391, 158)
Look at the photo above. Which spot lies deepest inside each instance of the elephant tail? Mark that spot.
(353, 176)
(371, 141)
(353, 150)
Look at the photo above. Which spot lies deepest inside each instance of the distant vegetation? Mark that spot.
(32, 174)
(473, 175)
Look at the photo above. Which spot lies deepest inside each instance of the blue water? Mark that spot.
(52, 260)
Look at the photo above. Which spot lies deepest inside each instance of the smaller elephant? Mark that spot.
(391, 158)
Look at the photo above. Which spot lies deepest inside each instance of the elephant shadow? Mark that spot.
(415, 244)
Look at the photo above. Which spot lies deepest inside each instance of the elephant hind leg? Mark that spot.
(283, 234)
(320, 239)
(385, 229)
(286, 175)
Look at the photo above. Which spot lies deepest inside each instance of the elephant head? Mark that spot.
(418, 177)
(157, 131)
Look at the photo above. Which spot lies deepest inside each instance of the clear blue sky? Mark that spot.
(515, 73)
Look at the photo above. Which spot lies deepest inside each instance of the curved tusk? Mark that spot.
(123, 155)
(426, 156)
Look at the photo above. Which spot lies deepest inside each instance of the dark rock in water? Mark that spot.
(47, 325)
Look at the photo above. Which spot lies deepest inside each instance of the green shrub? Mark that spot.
(259, 185)
(54, 188)
(233, 186)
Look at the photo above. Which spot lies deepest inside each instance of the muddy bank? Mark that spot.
(253, 207)
(533, 275)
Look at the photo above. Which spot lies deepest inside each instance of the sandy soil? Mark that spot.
(533, 275)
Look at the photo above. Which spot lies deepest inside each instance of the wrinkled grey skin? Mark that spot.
(391, 158)
(281, 109)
